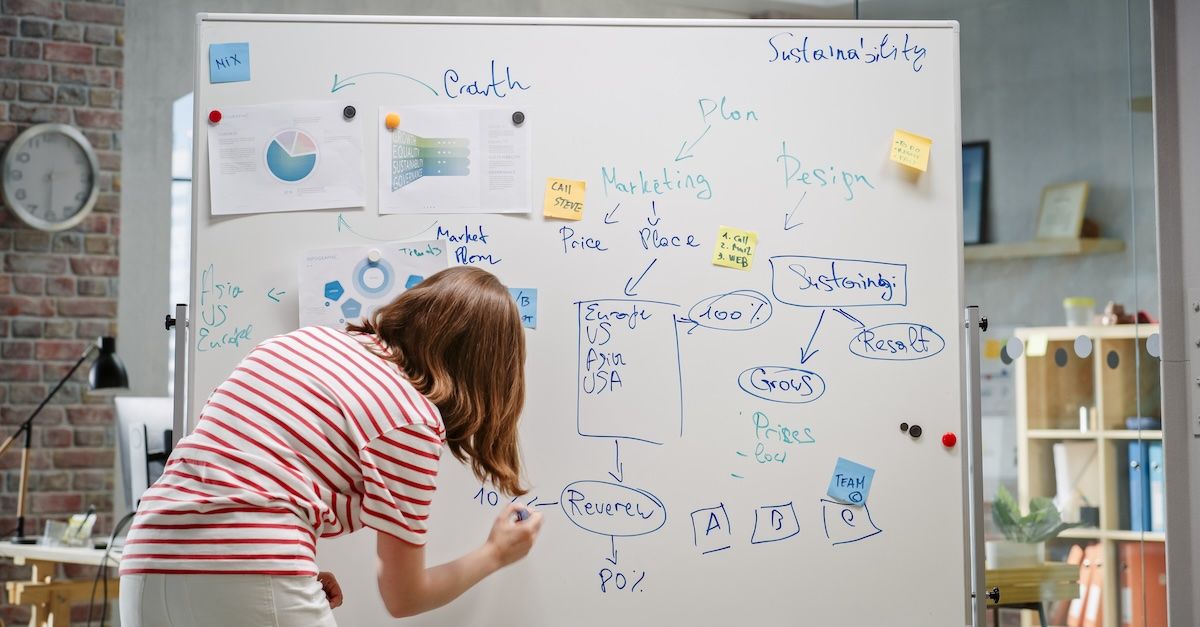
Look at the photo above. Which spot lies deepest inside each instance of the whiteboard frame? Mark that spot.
(974, 603)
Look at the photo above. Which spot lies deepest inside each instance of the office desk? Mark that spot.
(51, 597)
(1032, 587)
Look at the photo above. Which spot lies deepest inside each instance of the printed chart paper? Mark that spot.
(285, 157)
(341, 285)
(453, 160)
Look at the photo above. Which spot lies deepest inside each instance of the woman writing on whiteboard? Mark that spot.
(319, 433)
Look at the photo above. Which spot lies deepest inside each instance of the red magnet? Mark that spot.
(949, 440)
(214, 116)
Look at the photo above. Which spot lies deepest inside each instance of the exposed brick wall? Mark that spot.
(60, 61)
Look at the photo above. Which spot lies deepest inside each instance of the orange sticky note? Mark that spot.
(735, 248)
(564, 199)
(911, 150)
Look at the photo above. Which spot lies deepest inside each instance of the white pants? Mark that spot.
(225, 600)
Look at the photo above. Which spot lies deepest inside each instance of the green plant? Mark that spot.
(1042, 523)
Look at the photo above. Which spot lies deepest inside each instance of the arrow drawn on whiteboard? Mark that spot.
(349, 80)
(679, 156)
(806, 353)
(613, 560)
(620, 468)
(344, 225)
(629, 288)
(273, 295)
(787, 218)
(610, 214)
(850, 318)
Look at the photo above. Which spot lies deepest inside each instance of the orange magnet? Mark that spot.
(392, 121)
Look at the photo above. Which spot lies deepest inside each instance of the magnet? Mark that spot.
(349, 112)
(949, 440)
(904, 426)
(518, 118)
(392, 121)
(214, 116)
(373, 256)
(915, 431)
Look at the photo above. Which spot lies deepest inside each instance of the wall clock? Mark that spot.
(50, 176)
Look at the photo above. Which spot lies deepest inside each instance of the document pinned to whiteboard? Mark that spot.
(454, 160)
(293, 156)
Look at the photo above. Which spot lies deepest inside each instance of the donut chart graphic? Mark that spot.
(291, 156)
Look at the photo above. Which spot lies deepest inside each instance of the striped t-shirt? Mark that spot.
(313, 435)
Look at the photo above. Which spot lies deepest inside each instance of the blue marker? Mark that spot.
(522, 514)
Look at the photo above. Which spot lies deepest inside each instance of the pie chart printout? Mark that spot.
(291, 156)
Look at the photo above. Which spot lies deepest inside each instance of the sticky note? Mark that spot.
(1036, 345)
(229, 63)
(851, 482)
(735, 248)
(413, 280)
(992, 348)
(527, 304)
(564, 199)
(911, 150)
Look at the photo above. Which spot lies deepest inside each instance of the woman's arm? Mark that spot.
(408, 588)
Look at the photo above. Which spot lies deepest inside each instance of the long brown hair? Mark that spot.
(457, 336)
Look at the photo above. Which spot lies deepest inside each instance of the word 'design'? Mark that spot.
(229, 63)
(564, 199)
(830, 282)
(735, 248)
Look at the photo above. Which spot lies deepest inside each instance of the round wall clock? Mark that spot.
(50, 176)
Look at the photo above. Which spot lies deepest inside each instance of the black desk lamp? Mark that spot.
(107, 375)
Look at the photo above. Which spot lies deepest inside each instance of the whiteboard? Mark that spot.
(692, 490)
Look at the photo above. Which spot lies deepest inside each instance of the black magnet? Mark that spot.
(348, 112)
(915, 431)
(904, 426)
(518, 118)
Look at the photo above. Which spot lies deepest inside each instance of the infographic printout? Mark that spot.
(453, 160)
(343, 285)
(284, 157)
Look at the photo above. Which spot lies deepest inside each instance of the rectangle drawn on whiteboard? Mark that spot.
(628, 376)
(453, 160)
(831, 282)
(293, 156)
(343, 285)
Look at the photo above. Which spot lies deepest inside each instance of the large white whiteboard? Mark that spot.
(612, 101)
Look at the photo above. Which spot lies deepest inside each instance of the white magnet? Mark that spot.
(373, 256)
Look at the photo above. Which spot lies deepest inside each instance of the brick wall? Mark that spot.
(59, 62)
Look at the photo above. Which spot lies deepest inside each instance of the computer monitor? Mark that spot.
(144, 436)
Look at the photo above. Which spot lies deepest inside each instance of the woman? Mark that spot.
(318, 433)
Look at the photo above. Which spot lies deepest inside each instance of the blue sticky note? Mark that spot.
(851, 482)
(527, 304)
(413, 280)
(229, 63)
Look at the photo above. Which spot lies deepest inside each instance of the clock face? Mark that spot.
(50, 176)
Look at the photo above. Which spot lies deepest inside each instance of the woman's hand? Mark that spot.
(511, 540)
(333, 591)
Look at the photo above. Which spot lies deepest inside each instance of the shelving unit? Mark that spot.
(1042, 248)
(1117, 379)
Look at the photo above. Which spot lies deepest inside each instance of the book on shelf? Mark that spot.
(1139, 485)
(1157, 487)
(1093, 609)
(1143, 569)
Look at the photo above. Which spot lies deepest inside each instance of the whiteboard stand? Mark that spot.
(179, 324)
(975, 326)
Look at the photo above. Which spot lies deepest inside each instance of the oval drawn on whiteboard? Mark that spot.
(897, 341)
(740, 310)
(612, 509)
(782, 384)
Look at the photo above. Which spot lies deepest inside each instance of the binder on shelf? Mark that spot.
(1139, 489)
(1093, 610)
(1075, 610)
(1143, 584)
(1060, 609)
(1157, 500)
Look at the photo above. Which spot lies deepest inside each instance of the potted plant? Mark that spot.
(1025, 536)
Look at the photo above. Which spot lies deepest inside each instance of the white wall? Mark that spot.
(1049, 85)
(159, 48)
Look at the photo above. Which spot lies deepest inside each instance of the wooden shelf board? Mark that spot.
(1061, 434)
(1041, 248)
(1129, 434)
(1103, 332)
(1134, 536)
(1083, 533)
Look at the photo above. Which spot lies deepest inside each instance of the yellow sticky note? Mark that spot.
(911, 150)
(735, 248)
(1036, 345)
(992, 348)
(564, 199)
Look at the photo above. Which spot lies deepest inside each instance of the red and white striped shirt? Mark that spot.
(313, 435)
